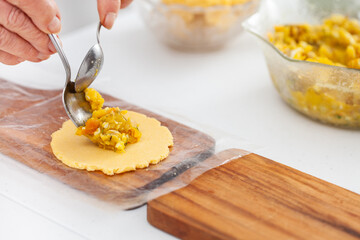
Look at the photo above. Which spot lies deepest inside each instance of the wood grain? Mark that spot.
(28, 117)
(256, 198)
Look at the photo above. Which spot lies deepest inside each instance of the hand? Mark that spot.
(108, 10)
(24, 25)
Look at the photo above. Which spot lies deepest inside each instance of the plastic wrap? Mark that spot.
(30, 116)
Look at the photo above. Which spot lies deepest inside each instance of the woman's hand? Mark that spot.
(108, 10)
(24, 25)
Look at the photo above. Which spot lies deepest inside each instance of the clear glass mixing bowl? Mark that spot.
(326, 93)
(195, 28)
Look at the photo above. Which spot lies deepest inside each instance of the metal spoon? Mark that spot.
(75, 104)
(91, 65)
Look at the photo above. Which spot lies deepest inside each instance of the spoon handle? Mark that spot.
(63, 58)
(98, 33)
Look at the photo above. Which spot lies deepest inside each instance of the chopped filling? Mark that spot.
(222, 17)
(321, 105)
(108, 127)
(205, 3)
(94, 98)
(335, 42)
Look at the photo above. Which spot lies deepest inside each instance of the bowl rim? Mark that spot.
(249, 28)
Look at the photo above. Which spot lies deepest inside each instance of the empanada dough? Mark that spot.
(79, 152)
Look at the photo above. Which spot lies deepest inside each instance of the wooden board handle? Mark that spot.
(256, 198)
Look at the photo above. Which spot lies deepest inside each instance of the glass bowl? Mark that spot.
(326, 93)
(195, 28)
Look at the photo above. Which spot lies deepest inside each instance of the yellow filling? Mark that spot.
(222, 18)
(322, 105)
(94, 98)
(335, 42)
(108, 128)
(205, 3)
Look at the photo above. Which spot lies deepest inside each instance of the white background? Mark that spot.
(228, 89)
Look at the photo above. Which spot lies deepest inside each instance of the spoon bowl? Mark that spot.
(91, 65)
(76, 106)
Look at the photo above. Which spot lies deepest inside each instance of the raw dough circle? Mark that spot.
(79, 152)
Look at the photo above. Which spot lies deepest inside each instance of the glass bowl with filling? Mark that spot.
(312, 50)
(196, 24)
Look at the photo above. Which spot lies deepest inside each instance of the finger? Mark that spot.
(18, 22)
(44, 13)
(125, 3)
(108, 10)
(15, 45)
(9, 59)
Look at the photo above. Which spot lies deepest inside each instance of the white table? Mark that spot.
(229, 90)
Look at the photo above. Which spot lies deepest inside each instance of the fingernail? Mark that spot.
(55, 25)
(43, 56)
(109, 20)
(52, 48)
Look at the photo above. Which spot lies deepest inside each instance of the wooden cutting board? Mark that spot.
(256, 198)
(28, 117)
